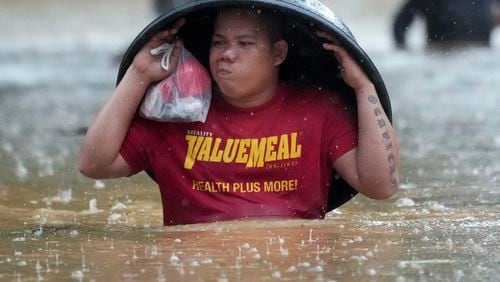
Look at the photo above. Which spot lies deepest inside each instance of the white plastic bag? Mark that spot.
(184, 96)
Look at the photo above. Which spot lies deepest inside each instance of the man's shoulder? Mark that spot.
(142, 123)
(147, 127)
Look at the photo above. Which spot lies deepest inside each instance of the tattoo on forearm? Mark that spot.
(391, 158)
(382, 123)
(373, 99)
(392, 168)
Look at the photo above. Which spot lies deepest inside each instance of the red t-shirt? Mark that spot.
(275, 160)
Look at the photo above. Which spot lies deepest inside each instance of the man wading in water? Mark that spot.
(268, 147)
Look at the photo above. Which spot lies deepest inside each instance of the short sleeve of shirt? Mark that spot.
(134, 149)
(341, 129)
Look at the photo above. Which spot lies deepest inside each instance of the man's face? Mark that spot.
(242, 58)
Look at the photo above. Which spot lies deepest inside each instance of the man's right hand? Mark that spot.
(148, 66)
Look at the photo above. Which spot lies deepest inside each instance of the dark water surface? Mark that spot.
(55, 225)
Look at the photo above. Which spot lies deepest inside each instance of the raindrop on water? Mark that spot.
(99, 184)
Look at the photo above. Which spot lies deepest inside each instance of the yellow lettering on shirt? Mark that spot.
(204, 154)
(296, 149)
(283, 151)
(242, 156)
(257, 149)
(194, 143)
(254, 152)
(230, 150)
(280, 186)
(270, 152)
(274, 186)
(216, 155)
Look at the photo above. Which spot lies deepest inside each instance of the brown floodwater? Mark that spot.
(56, 225)
(414, 237)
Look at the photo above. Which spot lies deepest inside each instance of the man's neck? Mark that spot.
(253, 100)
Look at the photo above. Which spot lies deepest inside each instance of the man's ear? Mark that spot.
(280, 52)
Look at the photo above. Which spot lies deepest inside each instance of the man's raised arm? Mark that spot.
(99, 155)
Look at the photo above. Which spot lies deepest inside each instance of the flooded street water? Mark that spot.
(58, 64)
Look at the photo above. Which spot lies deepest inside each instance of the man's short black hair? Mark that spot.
(272, 20)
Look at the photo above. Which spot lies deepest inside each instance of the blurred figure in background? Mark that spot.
(449, 22)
